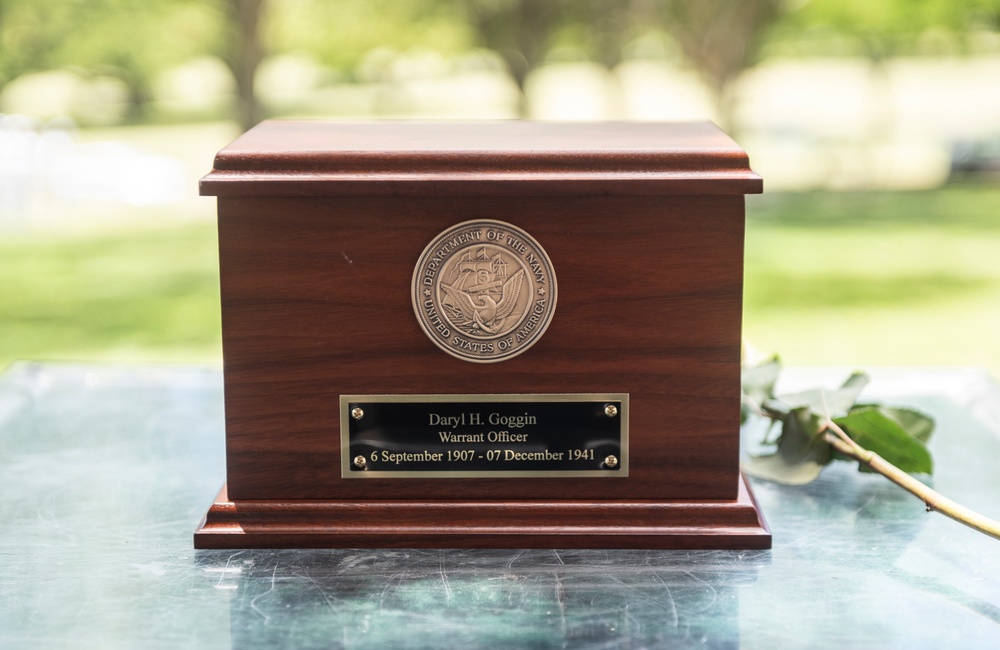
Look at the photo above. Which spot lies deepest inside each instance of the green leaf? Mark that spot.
(896, 434)
(758, 386)
(917, 424)
(776, 469)
(880, 433)
(801, 453)
(831, 403)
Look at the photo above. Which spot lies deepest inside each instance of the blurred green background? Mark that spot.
(875, 123)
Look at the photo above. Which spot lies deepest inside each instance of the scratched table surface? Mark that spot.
(105, 472)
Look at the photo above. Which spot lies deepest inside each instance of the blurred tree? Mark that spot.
(524, 32)
(131, 40)
(135, 40)
(341, 34)
(887, 28)
(243, 50)
(721, 39)
(610, 25)
(879, 31)
(27, 36)
(519, 31)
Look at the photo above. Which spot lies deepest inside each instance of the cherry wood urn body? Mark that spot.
(504, 334)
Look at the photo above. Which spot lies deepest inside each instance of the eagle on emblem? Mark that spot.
(488, 315)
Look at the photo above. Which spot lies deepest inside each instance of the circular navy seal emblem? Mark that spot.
(484, 291)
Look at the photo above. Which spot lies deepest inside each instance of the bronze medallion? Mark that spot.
(484, 291)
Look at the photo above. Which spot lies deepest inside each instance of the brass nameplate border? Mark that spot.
(564, 435)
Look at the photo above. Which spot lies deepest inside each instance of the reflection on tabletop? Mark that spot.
(105, 471)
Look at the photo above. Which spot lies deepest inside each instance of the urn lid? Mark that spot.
(507, 158)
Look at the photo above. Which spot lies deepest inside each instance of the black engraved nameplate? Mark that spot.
(494, 436)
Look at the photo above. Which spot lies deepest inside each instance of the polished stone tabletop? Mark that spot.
(105, 471)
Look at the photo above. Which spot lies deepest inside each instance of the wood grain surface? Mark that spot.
(320, 227)
(516, 158)
(316, 303)
(733, 524)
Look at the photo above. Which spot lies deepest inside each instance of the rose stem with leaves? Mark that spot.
(839, 440)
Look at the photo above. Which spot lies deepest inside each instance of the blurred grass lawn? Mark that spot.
(876, 278)
(136, 294)
(861, 279)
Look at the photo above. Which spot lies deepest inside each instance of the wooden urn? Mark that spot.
(498, 334)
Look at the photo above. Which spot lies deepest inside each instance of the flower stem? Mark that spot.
(934, 501)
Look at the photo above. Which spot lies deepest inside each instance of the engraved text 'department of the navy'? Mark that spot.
(484, 291)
